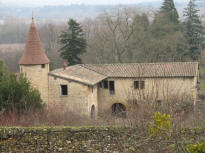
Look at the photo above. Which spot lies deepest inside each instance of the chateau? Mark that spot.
(92, 89)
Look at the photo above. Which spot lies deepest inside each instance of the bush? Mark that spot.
(196, 148)
(161, 125)
(17, 93)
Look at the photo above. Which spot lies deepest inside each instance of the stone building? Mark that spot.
(96, 88)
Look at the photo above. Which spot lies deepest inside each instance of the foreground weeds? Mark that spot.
(170, 128)
(51, 115)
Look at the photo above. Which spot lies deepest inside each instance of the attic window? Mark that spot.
(105, 83)
(64, 90)
(42, 66)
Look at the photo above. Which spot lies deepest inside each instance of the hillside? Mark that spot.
(82, 11)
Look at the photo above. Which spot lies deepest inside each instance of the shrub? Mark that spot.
(196, 148)
(161, 125)
(17, 93)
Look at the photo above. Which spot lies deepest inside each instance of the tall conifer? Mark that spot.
(73, 42)
(193, 30)
(168, 8)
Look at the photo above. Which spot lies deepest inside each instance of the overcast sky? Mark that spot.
(67, 2)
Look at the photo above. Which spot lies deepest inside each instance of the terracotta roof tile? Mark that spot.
(177, 69)
(79, 74)
(34, 53)
(91, 74)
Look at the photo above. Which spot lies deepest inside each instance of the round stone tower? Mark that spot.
(34, 64)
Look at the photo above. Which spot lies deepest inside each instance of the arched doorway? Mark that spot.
(93, 112)
(118, 110)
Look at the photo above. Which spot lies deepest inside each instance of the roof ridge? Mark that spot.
(61, 68)
(117, 70)
(83, 65)
(144, 63)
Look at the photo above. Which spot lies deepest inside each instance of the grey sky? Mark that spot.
(67, 2)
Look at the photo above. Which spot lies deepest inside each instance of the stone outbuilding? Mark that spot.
(91, 89)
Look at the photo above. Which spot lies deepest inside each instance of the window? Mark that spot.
(105, 84)
(119, 110)
(139, 84)
(136, 84)
(64, 90)
(42, 66)
(100, 85)
(93, 112)
(159, 102)
(112, 87)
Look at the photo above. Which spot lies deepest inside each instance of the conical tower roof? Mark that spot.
(34, 53)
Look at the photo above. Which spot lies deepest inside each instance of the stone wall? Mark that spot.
(155, 89)
(93, 140)
(38, 77)
(93, 100)
(65, 140)
(77, 98)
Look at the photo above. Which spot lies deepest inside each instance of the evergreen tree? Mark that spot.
(168, 9)
(167, 35)
(17, 93)
(193, 30)
(166, 21)
(74, 43)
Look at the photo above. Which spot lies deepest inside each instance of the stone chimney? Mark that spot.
(65, 65)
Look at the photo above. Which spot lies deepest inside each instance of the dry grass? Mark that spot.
(51, 115)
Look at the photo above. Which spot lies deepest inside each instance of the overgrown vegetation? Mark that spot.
(16, 93)
(161, 121)
(123, 36)
(169, 127)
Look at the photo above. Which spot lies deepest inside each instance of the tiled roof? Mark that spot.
(33, 53)
(79, 74)
(91, 74)
(177, 69)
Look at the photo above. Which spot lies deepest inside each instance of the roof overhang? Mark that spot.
(75, 79)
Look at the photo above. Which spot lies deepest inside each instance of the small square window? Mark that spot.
(159, 102)
(105, 84)
(64, 90)
(42, 66)
(139, 84)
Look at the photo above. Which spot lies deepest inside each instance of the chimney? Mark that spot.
(64, 65)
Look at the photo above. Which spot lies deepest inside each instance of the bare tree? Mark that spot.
(109, 35)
